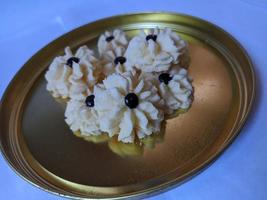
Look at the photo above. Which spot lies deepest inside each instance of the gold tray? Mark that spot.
(39, 146)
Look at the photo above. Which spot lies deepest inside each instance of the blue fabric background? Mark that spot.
(240, 173)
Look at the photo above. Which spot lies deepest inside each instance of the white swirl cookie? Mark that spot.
(155, 51)
(111, 40)
(113, 61)
(174, 87)
(128, 106)
(70, 75)
(81, 116)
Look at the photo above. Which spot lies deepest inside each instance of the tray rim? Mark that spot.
(169, 184)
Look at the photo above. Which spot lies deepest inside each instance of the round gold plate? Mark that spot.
(40, 147)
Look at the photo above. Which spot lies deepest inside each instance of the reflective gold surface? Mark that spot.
(38, 144)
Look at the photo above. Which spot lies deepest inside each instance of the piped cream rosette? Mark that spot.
(128, 106)
(109, 41)
(174, 88)
(155, 51)
(69, 76)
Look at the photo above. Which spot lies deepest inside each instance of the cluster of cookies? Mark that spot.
(128, 89)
